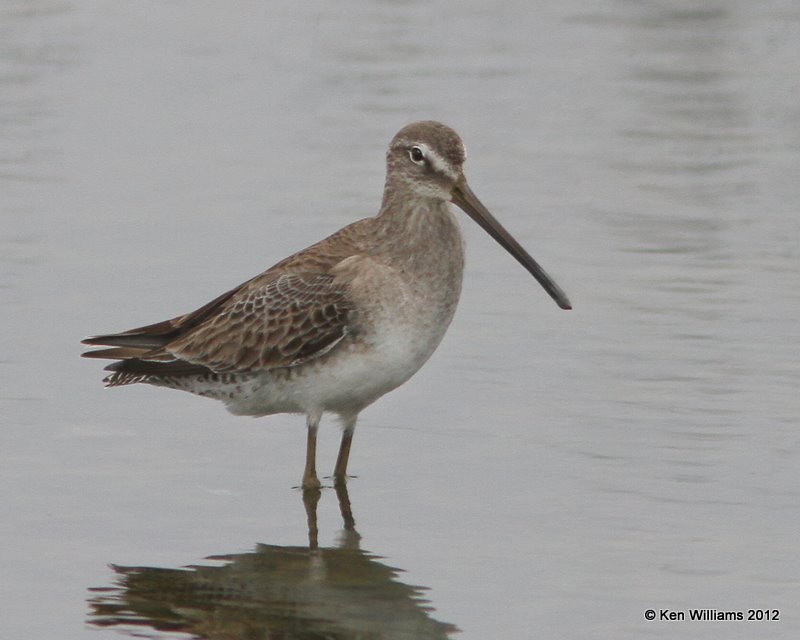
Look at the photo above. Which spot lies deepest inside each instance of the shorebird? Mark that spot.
(334, 327)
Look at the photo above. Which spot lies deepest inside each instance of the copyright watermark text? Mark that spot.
(712, 615)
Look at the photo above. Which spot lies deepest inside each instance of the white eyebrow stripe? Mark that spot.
(438, 163)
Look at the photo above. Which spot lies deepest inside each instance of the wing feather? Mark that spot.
(274, 322)
(283, 322)
(295, 311)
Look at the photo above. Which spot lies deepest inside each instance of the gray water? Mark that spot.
(547, 474)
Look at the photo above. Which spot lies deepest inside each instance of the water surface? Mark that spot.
(547, 474)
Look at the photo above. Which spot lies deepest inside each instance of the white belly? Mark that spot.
(344, 382)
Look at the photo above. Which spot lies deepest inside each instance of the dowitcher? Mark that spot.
(337, 325)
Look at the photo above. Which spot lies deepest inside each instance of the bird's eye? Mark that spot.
(417, 156)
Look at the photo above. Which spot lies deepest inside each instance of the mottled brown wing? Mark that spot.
(277, 323)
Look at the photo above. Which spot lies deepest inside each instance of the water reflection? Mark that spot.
(290, 592)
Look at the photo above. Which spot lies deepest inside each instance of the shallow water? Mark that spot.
(547, 474)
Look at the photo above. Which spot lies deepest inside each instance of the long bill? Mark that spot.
(468, 201)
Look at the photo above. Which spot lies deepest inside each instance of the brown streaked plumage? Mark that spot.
(337, 325)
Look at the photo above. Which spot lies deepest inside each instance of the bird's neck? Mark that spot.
(419, 232)
(412, 218)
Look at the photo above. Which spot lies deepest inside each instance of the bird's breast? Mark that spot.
(405, 294)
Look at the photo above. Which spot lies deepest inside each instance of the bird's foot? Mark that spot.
(310, 483)
(339, 479)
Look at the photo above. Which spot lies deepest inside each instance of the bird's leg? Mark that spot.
(340, 470)
(310, 480)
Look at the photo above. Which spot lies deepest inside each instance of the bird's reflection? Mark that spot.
(272, 592)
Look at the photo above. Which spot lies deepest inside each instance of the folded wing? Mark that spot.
(271, 321)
